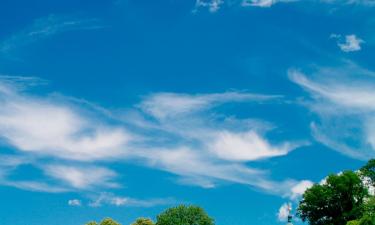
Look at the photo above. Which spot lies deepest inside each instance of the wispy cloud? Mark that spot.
(164, 105)
(215, 5)
(212, 5)
(264, 3)
(79, 177)
(171, 131)
(46, 27)
(31, 185)
(111, 199)
(344, 99)
(47, 127)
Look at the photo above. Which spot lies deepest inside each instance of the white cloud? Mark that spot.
(111, 199)
(47, 127)
(343, 97)
(351, 2)
(75, 202)
(175, 130)
(246, 146)
(212, 5)
(299, 189)
(283, 213)
(167, 105)
(32, 185)
(86, 177)
(358, 96)
(207, 172)
(264, 3)
(350, 43)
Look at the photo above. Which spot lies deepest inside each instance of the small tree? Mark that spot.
(109, 221)
(143, 221)
(106, 221)
(337, 201)
(92, 223)
(184, 215)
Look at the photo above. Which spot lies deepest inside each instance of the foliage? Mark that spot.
(369, 171)
(184, 215)
(109, 221)
(143, 221)
(369, 206)
(353, 222)
(369, 214)
(106, 221)
(338, 200)
(92, 223)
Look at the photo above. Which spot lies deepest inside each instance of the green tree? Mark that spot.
(184, 215)
(369, 171)
(337, 201)
(143, 221)
(369, 214)
(92, 223)
(109, 221)
(106, 221)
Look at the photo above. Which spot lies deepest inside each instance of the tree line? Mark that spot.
(180, 215)
(346, 198)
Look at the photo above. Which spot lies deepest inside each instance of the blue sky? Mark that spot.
(124, 108)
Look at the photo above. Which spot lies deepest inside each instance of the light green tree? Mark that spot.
(143, 221)
(184, 215)
(109, 221)
(368, 217)
(92, 223)
(106, 221)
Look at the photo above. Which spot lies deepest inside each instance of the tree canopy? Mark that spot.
(368, 217)
(334, 202)
(184, 215)
(143, 221)
(106, 221)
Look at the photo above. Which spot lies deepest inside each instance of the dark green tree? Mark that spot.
(184, 215)
(143, 221)
(339, 200)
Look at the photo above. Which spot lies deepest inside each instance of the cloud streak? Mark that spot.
(215, 5)
(46, 27)
(171, 131)
(343, 98)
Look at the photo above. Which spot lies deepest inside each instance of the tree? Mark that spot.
(368, 171)
(109, 221)
(143, 221)
(106, 221)
(184, 215)
(369, 214)
(92, 223)
(335, 202)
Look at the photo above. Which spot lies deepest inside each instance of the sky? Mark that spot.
(124, 108)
